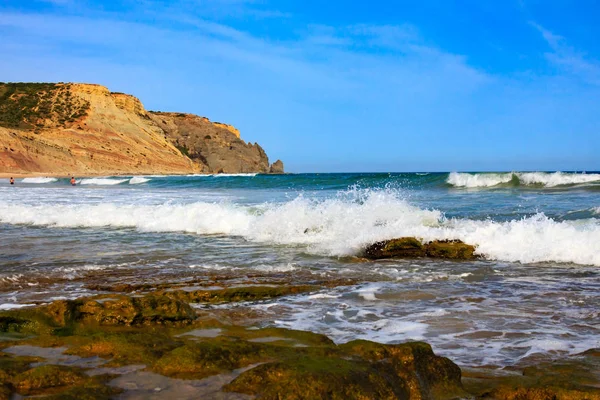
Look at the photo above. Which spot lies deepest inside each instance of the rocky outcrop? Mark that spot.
(277, 167)
(410, 247)
(84, 129)
(165, 336)
(216, 147)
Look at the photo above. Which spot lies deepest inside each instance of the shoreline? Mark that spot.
(4, 175)
(174, 335)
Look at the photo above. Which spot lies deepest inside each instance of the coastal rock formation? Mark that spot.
(278, 363)
(216, 147)
(410, 247)
(277, 167)
(85, 129)
(79, 345)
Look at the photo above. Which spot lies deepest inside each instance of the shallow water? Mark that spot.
(536, 294)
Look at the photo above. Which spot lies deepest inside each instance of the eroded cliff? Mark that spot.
(85, 129)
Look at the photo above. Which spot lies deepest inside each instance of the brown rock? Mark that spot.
(410, 247)
(121, 310)
(362, 370)
(216, 147)
(277, 167)
(46, 377)
(84, 129)
(406, 247)
(450, 249)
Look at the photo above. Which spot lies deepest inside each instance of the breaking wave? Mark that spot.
(136, 180)
(102, 181)
(544, 179)
(39, 180)
(339, 226)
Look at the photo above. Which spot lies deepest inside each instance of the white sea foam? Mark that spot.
(596, 210)
(136, 180)
(39, 180)
(556, 178)
(102, 181)
(336, 227)
(460, 179)
(545, 179)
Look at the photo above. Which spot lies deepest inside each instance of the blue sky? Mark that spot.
(341, 86)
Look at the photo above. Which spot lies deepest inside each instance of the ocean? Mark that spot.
(534, 293)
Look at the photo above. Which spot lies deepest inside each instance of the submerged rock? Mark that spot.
(235, 294)
(46, 377)
(122, 310)
(410, 247)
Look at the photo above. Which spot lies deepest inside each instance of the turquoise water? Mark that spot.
(538, 233)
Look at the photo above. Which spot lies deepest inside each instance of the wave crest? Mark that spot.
(545, 179)
(102, 181)
(39, 180)
(339, 226)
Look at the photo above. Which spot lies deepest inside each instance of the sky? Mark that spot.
(336, 86)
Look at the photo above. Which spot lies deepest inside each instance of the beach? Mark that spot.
(533, 233)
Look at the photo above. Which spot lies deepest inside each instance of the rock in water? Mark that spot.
(277, 167)
(410, 247)
(450, 249)
(406, 247)
(363, 370)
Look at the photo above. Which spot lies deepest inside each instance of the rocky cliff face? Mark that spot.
(85, 129)
(216, 147)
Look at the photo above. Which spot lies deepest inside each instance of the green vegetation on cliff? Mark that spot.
(39, 105)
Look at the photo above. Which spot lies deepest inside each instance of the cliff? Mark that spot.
(84, 129)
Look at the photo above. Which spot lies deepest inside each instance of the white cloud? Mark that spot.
(568, 58)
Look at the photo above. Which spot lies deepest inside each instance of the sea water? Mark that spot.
(534, 293)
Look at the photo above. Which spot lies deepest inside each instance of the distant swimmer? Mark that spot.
(12, 180)
(73, 182)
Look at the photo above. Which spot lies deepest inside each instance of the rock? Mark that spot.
(406, 247)
(216, 147)
(450, 249)
(120, 310)
(84, 129)
(198, 360)
(319, 378)
(540, 393)
(426, 375)
(410, 247)
(277, 167)
(137, 311)
(357, 370)
(249, 293)
(45, 377)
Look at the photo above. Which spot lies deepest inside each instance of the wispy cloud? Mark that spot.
(568, 58)
(349, 87)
